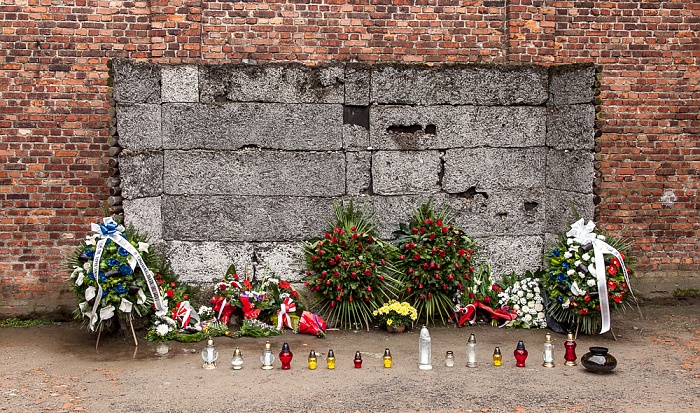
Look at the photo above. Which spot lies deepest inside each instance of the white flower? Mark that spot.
(571, 272)
(143, 247)
(567, 255)
(125, 306)
(162, 330)
(90, 293)
(566, 303)
(525, 309)
(516, 307)
(530, 303)
(523, 301)
(601, 237)
(79, 279)
(87, 266)
(575, 290)
(539, 307)
(540, 316)
(536, 290)
(569, 241)
(532, 311)
(169, 321)
(141, 297)
(107, 312)
(161, 313)
(131, 260)
(527, 318)
(521, 293)
(592, 270)
(581, 274)
(591, 282)
(90, 239)
(586, 257)
(573, 248)
(204, 309)
(529, 296)
(83, 307)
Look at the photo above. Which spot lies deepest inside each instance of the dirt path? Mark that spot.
(57, 369)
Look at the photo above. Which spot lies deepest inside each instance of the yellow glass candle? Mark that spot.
(313, 361)
(330, 360)
(497, 357)
(387, 359)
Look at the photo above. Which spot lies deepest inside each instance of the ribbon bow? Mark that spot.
(583, 234)
(184, 312)
(110, 230)
(223, 309)
(287, 306)
(249, 311)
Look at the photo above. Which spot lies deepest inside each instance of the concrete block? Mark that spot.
(406, 172)
(255, 172)
(265, 125)
(241, 218)
(459, 85)
(571, 84)
(287, 83)
(180, 84)
(493, 168)
(392, 210)
(357, 84)
(571, 127)
(144, 214)
(498, 212)
(512, 253)
(207, 262)
(281, 258)
(559, 212)
(355, 138)
(139, 127)
(135, 82)
(358, 173)
(570, 170)
(141, 174)
(509, 126)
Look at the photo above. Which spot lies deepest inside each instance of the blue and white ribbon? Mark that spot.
(583, 234)
(110, 230)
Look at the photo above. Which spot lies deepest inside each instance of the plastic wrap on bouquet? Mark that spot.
(468, 313)
(311, 323)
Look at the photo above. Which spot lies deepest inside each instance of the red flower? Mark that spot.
(314, 258)
(445, 230)
(401, 257)
(461, 253)
(422, 297)
(439, 222)
(320, 252)
(369, 289)
(352, 228)
(350, 298)
(170, 293)
(449, 243)
(428, 221)
(328, 282)
(410, 270)
(157, 276)
(450, 277)
(328, 235)
(235, 277)
(306, 283)
(616, 262)
(185, 297)
(612, 284)
(420, 286)
(416, 256)
(587, 298)
(444, 286)
(422, 230)
(408, 290)
(285, 284)
(381, 278)
(617, 298)
(471, 295)
(368, 272)
(354, 236)
(487, 299)
(414, 230)
(437, 276)
(384, 261)
(172, 283)
(247, 284)
(295, 294)
(432, 237)
(336, 274)
(430, 296)
(583, 311)
(332, 303)
(612, 270)
(222, 287)
(353, 275)
(318, 288)
(323, 274)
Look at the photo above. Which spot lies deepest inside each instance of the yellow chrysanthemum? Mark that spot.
(389, 322)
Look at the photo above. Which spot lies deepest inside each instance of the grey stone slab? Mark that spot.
(357, 84)
(508, 254)
(255, 172)
(207, 262)
(571, 84)
(139, 127)
(459, 85)
(281, 259)
(241, 218)
(493, 168)
(571, 127)
(446, 127)
(510, 212)
(135, 82)
(560, 207)
(282, 83)
(180, 83)
(145, 215)
(405, 172)
(570, 170)
(355, 138)
(266, 125)
(141, 174)
(358, 173)
(390, 211)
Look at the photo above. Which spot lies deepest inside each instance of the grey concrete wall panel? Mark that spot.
(459, 85)
(141, 174)
(135, 82)
(180, 84)
(240, 218)
(559, 209)
(357, 84)
(571, 127)
(420, 127)
(287, 83)
(571, 84)
(509, 126)
(144, 214)
(255, 172)
(570, 171)
(406, 172)
(512, 254)
(355, 138)
(232, 126)
(358, 173)
(514, 212)
(392, 210)
(139, 127)
(207, 262)
(282, 260)
(493, 168)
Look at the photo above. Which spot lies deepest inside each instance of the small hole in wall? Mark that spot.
(220, 98)
(431, 129)
(404, 129)
(531, 206)
(502, 215)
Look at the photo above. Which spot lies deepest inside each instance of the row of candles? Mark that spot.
(210, 355)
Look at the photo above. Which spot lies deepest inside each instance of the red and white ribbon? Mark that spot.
(287, 306)
(184, 312)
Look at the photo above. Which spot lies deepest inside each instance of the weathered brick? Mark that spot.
(405, 172)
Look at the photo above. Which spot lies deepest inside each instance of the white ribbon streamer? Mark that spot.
(287, 306)
(583, 234)
(111, 231)
(184, 312)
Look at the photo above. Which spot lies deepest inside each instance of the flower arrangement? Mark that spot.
(348, 269)
(435, 262)
(480, 301)
(111, 270)
(523, 295)
(256, 328)
(585, 275)
(396, 314)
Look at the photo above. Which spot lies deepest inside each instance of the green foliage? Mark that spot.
(18, 323)
(257, 329)
(435, 262)
(348, 269)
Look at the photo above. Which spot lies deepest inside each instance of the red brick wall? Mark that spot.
(55, 99)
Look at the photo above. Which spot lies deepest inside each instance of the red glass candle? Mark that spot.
(570, 353)
(358, 360)
(520, 354)
(286, 357)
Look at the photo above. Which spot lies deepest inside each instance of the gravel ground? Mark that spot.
(57, 369)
